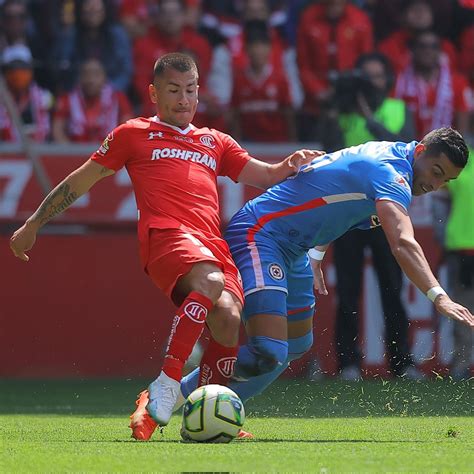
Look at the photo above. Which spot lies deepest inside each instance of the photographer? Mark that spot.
(361, 111)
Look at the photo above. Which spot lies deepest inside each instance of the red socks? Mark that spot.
(188, 325)
(217, 364)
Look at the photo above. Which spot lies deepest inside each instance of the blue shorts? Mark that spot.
(274, 281)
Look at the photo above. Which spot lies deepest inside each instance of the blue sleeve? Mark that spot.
(387, 184)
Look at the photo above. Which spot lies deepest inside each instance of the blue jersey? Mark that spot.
(334, 194)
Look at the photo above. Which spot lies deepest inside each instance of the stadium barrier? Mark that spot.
(83, 307)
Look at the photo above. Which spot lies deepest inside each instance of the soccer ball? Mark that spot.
(212, 414)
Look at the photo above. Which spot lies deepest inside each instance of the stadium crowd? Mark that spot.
(271, 70)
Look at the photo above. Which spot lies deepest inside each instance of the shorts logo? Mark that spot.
(276, 272)
(374, 220)
(196, 312)
(226, 366)
(207, 140)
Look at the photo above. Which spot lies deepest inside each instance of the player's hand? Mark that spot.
(319, 284)
(22, 241)
(303, 157)
(446, 306)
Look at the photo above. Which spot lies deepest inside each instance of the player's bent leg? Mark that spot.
(266, 327)
(217, 364)
(202, 287)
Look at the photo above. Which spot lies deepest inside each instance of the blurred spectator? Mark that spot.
(168, 34)
(331, 36)
(94, 35)
(388, 15)
(417, 17)
(14, 23)
(92, 109)
(436, 95)
(136, 15)
(33, 102)
(466, 54)
(261, 105)
(17, 27)
(361, 109)
(453, 218)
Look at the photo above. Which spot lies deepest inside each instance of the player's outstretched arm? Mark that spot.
(399, 231)
(264, 175)
(58, 200)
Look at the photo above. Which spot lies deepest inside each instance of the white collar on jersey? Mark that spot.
(180, 130)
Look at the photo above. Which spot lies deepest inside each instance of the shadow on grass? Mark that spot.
(285, 398)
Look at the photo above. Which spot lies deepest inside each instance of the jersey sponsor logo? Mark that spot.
(104, 148)
(153, 135)
(208, 140)
(186, 155)
(183, 139)
(196, 312)
(374, 221)
(276, 272)
(226, 366)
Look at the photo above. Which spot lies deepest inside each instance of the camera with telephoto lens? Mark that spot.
(347, 85)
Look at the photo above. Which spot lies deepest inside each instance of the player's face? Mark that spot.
(430, 172)
(176, 97)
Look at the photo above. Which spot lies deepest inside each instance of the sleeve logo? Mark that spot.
(104, 148)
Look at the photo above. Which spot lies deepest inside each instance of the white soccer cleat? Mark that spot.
(163, 393)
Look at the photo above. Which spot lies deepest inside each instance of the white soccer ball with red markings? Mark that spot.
(212, 414)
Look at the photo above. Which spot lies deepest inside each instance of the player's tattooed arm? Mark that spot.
(58, 200)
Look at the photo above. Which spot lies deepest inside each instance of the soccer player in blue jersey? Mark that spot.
(278, 241)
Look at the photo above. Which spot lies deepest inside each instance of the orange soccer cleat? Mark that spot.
(142, 424)
(244, 435)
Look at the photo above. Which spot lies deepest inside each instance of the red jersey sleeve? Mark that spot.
(115, 149)
(234, 157)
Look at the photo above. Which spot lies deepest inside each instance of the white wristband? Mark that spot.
(434, 292)
(316, 254)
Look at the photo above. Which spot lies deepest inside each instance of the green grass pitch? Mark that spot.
(328, 426)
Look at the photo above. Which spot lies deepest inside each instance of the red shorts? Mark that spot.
(173, 252)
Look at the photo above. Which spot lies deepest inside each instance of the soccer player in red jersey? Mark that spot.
(174, 167)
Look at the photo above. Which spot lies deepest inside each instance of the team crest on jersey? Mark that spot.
(374, 221)
(276, 272)
(153, 135)
(208, 140)
(104, 148)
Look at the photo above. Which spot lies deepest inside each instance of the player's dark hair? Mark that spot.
(178, 61)
(448, 141)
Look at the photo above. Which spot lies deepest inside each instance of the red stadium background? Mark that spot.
(83, 306)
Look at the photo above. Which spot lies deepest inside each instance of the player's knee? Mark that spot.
(298, 346)
(261, 355)
(224, 321)
(208, 280)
